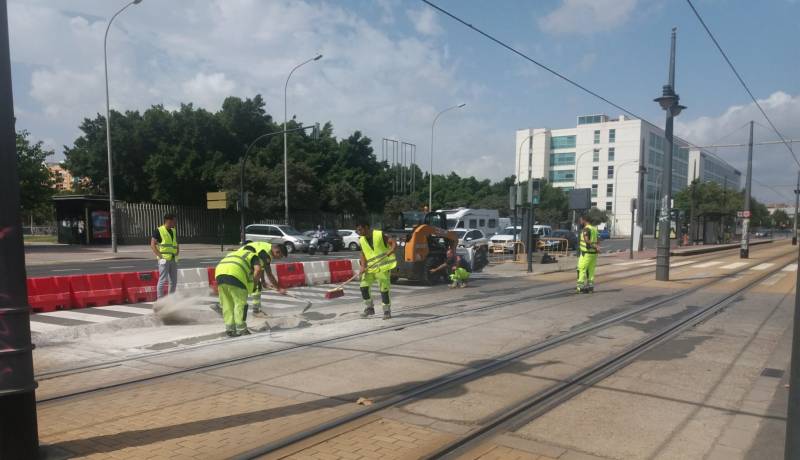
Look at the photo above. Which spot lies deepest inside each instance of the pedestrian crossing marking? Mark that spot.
(790, 268)
(126, 309)
(682, 263)
(38, 326)
(633, 262)
(733, 265)
(707, 264)
(78, 316)
(762, 267)
(773, 279)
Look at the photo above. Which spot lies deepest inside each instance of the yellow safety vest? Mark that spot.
(259, 246)
(376, 262)
(592, 248)
(238, 264)
(168, 248)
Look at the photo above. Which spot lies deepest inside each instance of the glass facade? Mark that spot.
(567, 175)
(560, 159)
(594, 190)
(595, 172)
(612, 135)
(610, 190)
(610, 172)
(562, 142)
(596, 155)
(597, 136)
(611, 153)
(589, 119)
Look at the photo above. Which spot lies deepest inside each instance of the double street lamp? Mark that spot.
(112, 221)
(285, 142)
(430, 173)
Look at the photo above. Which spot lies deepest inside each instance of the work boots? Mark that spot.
(369, 309)
(387, 311)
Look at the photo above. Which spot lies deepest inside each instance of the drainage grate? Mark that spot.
(770, 372)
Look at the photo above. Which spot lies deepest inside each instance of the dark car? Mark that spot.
(329, 236)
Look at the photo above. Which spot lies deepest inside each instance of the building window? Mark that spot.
(609, 206)
(562, 176)
(594, 204)
(596, 156)
(560, 159)
(610, 190)
(610, 172)
(612, 152)
(595, 172)
(562, 142)
(589, 119)
(594, 190)
(612, 135)
(597, 136)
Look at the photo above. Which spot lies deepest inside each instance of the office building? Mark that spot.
(603, 154)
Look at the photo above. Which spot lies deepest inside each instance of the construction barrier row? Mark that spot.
(53, 293)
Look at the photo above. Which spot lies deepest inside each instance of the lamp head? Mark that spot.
(136, 2)
(319, 56)
(462, 105)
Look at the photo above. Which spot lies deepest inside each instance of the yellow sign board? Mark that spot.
(217, 205)
(217, 196)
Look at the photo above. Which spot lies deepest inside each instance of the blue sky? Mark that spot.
(390, 65)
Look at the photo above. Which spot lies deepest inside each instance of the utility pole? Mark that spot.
(744, 251)
(18, 431)
(669, 101)
(692, 204)
(640, 202)
(792, 443)
(796, 203)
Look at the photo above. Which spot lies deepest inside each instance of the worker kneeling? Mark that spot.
(457, 268)
(587, 263)
(236, 274)
(377, 262)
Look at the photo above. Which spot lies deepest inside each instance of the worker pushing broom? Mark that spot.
(377, 262)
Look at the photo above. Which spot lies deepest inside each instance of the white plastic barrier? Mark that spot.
(317, 272)
(193, 278)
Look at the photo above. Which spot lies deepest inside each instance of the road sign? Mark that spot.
(217, 200)
(745, 214)
(217, 205)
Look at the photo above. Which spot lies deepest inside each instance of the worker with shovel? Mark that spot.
(377, 262)
(266, 252)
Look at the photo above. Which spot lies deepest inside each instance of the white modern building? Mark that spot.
(603, 154)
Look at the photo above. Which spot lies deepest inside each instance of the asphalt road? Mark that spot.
(133, 264)
(619, 245)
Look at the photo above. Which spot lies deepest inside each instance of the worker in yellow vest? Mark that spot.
(236, 274)
(587, 263)
(377, 262)
(266, 252)
(164, 244)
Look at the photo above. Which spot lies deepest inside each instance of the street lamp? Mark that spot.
(285, 145)
(616, 191)
(430, 174)
(108, 129)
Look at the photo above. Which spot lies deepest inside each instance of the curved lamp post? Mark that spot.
(108, 129)
(285, 145)
(430, 173)
(616, 176)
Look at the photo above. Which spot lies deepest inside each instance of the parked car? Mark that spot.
(350, 239)
(603, 234)
(470, 237)
(328, 235)
(558, 244)
(286, 234)
(504, 240)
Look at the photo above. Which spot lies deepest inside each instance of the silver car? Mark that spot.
(286, 234)
(470, 237)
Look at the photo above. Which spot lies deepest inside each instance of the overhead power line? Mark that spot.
(741, 80)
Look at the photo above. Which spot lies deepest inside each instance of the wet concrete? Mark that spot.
(677, 349)
(661, 322)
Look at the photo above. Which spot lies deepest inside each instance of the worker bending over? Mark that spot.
(456, 268)
(587, 263)
(377, 262)
(266, 252)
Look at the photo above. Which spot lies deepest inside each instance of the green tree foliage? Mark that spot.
(714, 202)
(36, 181)
(597, 216)
(781, 219)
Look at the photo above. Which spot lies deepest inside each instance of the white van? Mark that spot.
(486, 220)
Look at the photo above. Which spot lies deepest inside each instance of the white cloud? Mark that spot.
(425, 21)
(772, 164)
(585, 17)
(208, 90)
(587, 62)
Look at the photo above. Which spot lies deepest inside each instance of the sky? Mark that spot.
(389, 66)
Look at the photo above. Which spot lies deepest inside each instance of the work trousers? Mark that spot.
(233, 301)
(587, 264)
(167, 274)
(384, 284)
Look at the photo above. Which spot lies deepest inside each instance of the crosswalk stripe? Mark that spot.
(762, 267)
(733, 265)
(707, 264)
(126, 309)
(38, 326)
(790, 268)
(682, 263)
(633, 262)
(78, 316)
(773, 279)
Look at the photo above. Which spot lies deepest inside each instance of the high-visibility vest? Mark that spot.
(259, 246)
(376, 262)
(168, 248)
(592, 247)
(238, 264)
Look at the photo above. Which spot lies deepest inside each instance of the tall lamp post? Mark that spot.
(669, 101)
(108, 129)
(285, 144)
(616, 191)
(430, 173)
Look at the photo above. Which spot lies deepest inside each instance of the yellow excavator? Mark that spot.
(422, 244)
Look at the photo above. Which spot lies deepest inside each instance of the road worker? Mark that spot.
(587, 262)
(266, 252)
(164, 244)
(236, 274)
(377, 262)
(457, 269)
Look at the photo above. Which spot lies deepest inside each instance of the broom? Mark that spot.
(338, 291)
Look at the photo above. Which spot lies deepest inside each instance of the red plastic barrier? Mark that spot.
(49, 294)
(140, 286)
(341, 270)
(96, 290)
(212, 280)
(291, 274)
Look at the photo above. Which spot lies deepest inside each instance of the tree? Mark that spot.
(596, 216)
(780, 218)
(37, 183)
